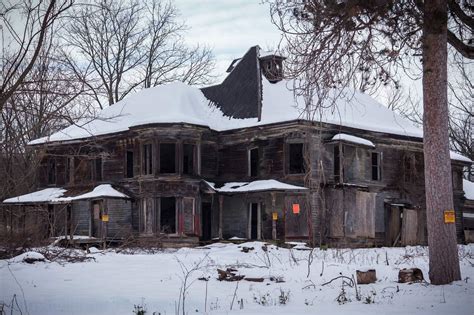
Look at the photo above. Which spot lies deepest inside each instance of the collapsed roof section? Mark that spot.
(258, 185)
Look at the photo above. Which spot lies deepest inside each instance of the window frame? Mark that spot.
(176, 161)
(143, 165)
(288, 145)
(194, 156)
(126, 164)
(249, 162)
(378, 166)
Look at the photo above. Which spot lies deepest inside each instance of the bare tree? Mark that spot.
(122, 46)
(362, 44)
(22, 42)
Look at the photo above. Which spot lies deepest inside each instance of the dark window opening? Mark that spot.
(337, 163)
(51, 171)
(253, 162)
(129, 164)
(296, 159)
(68, 173)
(188, 158)
(167, 158)
(147, 167)
(409, 169)
(168, 215)
(97, 169)
(254, 221)
(376, 166)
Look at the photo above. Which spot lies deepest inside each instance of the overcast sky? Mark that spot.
(229, 27)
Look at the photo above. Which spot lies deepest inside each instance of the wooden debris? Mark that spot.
(246, 249)
(277, 279)
(366, 277)
(254, 279)
(409, 275)
(228, 275)
(31, 260)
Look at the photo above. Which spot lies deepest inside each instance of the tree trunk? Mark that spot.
(443, 253)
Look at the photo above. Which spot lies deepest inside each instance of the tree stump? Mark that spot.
(366, 277)
(409, 275)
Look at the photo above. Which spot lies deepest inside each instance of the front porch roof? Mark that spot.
(254, 186)
(60, 195)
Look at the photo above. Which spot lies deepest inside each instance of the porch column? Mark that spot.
(274, 230)
(221, 207)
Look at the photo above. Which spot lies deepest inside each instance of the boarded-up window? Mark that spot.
(167, 158)
(296, 224)
(168, 215)
(253, 160)
(295, 158)
(376, 166)
(129, 164)
(188, 158)
(147, 164)
(51, 171)
(189, 213)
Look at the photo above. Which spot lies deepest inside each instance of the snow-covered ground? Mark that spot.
(114, 282)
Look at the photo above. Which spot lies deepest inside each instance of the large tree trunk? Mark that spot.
(443, 253)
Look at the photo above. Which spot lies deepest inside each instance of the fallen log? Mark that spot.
(254, 279)
(410, 275)
(366, 277)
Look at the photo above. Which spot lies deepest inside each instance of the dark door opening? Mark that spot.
(206, 218)
(96, 215)
(168, 215)
(393, 225)
(254, 221)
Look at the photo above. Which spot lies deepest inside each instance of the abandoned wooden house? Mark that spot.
(241, 159)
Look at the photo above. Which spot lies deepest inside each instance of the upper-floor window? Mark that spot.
(188, 159)
(51, 171)
(337, 163)
(129, 164)
(69, 171)
(376, 166)
(167, 158)
(295, 158)
(409, 168)
(97, 169)
(253, 161)
(147, 157)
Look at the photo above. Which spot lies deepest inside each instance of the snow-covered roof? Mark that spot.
(40, 196)
(56, 195)
(258, 185)
(101, 191)
(352, 139)
(458, 157)
(180, 103)
(468, 188)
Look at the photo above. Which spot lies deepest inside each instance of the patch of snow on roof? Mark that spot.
(458, 157)
(101, 191)
(353, 139)
(258, 185)
(468, 188)
(40, 196)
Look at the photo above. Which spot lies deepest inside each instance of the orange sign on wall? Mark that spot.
(296, 208)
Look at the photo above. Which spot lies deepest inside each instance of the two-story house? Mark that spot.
(241, 159)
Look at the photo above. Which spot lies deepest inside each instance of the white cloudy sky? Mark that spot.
(229, 27)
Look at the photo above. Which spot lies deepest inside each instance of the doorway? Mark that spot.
(206, 220)
(168, 215)
(96, 216)
(254, 221)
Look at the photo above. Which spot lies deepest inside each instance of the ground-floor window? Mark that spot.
(168, 215)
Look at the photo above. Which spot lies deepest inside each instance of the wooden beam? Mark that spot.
(221, 207)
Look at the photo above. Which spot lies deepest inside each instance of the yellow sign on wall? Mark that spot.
(105, 218)
(275, 216)
(449, 216)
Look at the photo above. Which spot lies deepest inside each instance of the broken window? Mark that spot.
(296, 159)
(97, 169)
(253, 160)
(129, 164)
(376, 166)
(168, 215)
(167, 158)
(51, 171)
(337, 163)
(188, 158)
(147, 166)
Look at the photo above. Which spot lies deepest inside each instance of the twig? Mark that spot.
(235, 292)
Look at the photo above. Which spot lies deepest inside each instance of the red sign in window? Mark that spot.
(296, 208)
